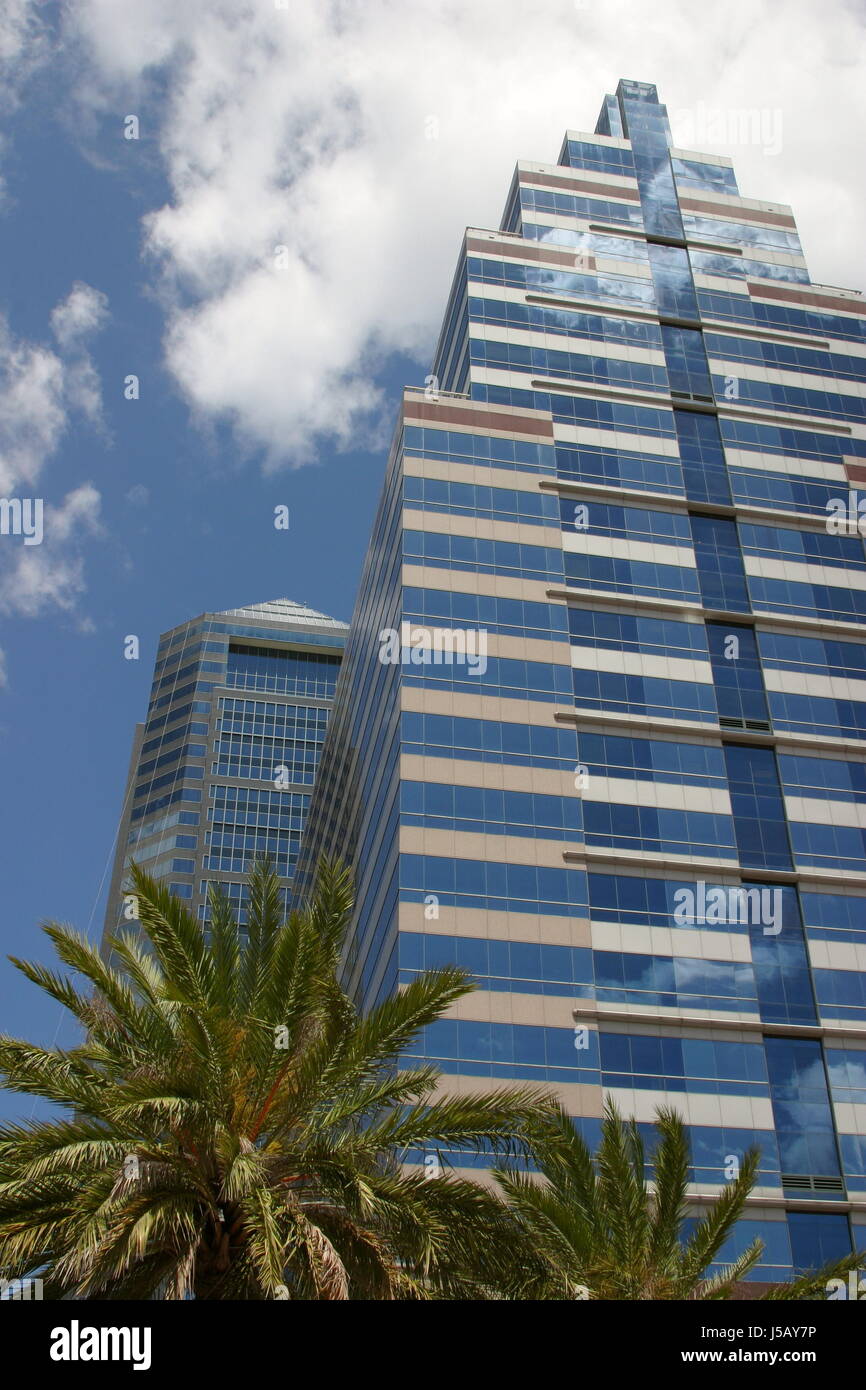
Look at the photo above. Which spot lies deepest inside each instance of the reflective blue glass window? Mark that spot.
(607, 159)
(622, 575)
(711, 178)
(652, 760)
(841, 994)
(835, 917)
(647, 829)
(720, 564)
(803, 547)
(705, 471)
(636, 632)
(646, 125)
(801, 1106)
(672, 281)
(758, 809)
(686, 361)
(817, 1238)
(737, 675)
(682, 1064)
(614, 465)
(649, 695)
(671, 982)
(295, 673)
(781, 962)
(813, 714)
(846, 1068)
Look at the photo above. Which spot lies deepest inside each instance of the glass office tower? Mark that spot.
(223, 767)
(626, 789)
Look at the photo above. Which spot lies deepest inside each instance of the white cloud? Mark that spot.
(78, 317)
(41, 391)
(307, 127)
(40, 388)
(83, 312)
(32, 410)
(51, 575)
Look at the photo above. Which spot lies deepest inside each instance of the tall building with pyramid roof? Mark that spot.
(222, 767)
(630, 800)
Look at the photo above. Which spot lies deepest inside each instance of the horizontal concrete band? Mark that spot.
(527, 251)
(589, 856)
(737, 212)
(526, 850)
(477, 416)
(626, 192)
(474, 471)
(760, 290)
(481, 527)
(463, 772)
(455, 580)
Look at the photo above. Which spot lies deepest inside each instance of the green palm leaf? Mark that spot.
(599, 1225)
(230, 1127)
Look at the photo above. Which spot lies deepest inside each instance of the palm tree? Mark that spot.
(231, 1127)
(594, 1228)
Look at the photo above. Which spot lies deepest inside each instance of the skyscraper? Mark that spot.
(222, 768)
(600, 731)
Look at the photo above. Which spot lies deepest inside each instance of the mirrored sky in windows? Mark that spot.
(227, 235)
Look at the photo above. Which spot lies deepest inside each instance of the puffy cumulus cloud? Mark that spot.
(40, 388)
(361, 139)
(83, 312)
(32, 410)
(41, 391)
(51, 575)
(78, 317)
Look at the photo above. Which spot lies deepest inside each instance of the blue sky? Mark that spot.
(363, 139)
(202, 539)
